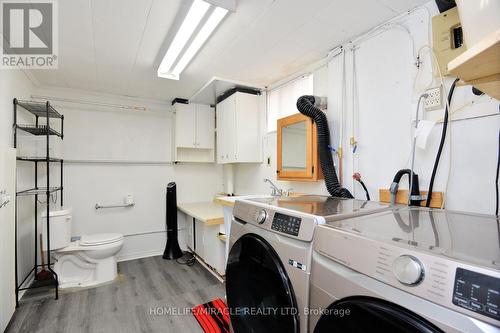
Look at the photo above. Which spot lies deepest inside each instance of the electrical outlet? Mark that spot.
(435, 99)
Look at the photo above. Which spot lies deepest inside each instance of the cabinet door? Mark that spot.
(205, 125)
(247, 128)
(185, 125)
(7, 223)
(230, 129)
(188, 223)
(214, 250)
(199, 238)
(221, 149)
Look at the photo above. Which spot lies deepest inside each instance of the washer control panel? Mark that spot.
(477, 292)
(408, 270)
(469, 289)
(286, 224)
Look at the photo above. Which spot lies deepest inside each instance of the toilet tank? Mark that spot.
(60, 228)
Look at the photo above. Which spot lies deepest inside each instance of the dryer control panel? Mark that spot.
(286, 223)
(278, 220)
(477, 292)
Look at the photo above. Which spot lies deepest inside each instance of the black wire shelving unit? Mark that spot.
(43, 112)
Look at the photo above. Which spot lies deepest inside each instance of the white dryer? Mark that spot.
(407, 270)
(267, 274)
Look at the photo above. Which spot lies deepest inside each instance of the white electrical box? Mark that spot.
(435, 99)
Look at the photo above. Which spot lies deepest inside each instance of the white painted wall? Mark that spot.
(17, 84)
(13, 84)
(113, 152)
(386, 105)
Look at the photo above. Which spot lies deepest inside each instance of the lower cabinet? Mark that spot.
(202, 239)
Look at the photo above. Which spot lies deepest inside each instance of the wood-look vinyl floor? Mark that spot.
(150, 295)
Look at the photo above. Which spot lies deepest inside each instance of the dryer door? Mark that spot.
(366, 314)
(259, 293)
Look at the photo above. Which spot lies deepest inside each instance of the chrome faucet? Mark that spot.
(276, 191)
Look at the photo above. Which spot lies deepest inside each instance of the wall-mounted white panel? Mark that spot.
(117, 135)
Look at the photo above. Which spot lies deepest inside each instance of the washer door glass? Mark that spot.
(259, 293)
(366, 314)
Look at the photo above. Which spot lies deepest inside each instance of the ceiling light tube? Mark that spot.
(195, 14)
(213, 21)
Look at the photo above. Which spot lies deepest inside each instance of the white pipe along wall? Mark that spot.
(383, 107)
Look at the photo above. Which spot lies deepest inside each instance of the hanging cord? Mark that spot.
(352, 140)
(340, 150)
(189, 261)
(441, 144)
(357, 176)
(412, 169)
(498, 169)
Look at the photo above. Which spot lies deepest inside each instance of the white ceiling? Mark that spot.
(115, 46)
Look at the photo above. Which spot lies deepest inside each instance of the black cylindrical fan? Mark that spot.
(172, 250)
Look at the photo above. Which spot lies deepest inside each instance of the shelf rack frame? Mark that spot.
(39, 110)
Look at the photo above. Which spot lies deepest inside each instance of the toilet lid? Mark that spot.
(100, 239)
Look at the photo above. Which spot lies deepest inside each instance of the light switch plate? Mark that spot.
(435, 99)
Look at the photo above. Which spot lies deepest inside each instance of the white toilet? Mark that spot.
(86, 262)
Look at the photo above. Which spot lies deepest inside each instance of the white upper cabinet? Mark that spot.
(194, 133)
(238, 130)
(185, 125)
(205, 127)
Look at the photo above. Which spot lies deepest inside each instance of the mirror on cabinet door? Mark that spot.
(297, 154)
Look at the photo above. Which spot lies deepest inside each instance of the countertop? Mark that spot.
(208, 212)
(229, 201)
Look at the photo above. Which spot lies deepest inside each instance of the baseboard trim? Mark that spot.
(139, 255)
(210, 269)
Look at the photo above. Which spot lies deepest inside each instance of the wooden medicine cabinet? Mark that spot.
(297, 154)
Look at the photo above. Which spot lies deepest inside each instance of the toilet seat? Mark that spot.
(93, 242)
(100, 239)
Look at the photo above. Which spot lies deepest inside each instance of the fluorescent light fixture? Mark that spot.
(217, 15)
(193, 19)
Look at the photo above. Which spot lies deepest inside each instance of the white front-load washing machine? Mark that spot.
(407, 270)
(268, 269)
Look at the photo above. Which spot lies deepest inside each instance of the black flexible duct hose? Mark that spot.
(306, 106)
(441, 144)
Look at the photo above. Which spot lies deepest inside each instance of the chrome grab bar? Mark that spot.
(97, 206)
